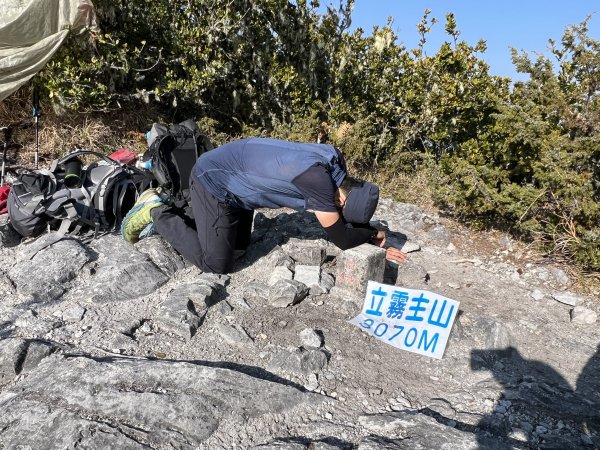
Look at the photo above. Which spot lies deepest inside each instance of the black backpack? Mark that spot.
(172, 153)
(72, 197)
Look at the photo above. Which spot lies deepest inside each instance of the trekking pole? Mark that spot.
(7, 133)
(36, 115)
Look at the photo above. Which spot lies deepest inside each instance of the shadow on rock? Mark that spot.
(539, 404)
(304, 443)
(251, 371)
(268, 233)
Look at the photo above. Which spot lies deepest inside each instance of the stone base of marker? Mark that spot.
(318, 282)
(349, 300)
(358, 265)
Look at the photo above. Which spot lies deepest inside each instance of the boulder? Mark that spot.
(161, 254)
(286, 293)
(118, 402)
(409, 429)
(45, 266)
(299, 362)
(122, 273)
(184, 309)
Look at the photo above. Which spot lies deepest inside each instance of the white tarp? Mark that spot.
(30, 33)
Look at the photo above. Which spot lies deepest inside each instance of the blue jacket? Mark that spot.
(259, 173)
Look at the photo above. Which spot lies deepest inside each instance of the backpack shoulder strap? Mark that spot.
(119, 191)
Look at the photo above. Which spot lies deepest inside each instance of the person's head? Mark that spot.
(358, 200)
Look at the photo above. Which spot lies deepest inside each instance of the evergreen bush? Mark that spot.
(523, 157)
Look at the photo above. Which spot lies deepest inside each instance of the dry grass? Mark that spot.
(61, 134)
(414, 188)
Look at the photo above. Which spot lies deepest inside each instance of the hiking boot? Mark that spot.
(139, 217)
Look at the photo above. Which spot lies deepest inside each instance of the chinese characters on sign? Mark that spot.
(409, 319)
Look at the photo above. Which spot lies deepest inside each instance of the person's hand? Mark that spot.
(379, 240)
(395, 255)
(391, 253)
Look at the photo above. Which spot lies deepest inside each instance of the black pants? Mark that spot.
(219, 230)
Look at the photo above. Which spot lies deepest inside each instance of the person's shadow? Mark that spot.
(268, 233)
(541, 403)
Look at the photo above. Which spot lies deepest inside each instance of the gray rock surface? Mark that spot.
(235, 336)
(109, 345)
(286, 293)
(537, 295)
(161, 254)
(132, 402)
(581, 314)
(300, 362)
(567, 298)
(184, 309)
(12, 354)
(280, 273)
(314, 278)
(413, 430)
(311, 338)
(121, 272)
(43, 275)
(310, 255)
(73, 314)
(412, 275)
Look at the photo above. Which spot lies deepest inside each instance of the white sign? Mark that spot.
(409, 319)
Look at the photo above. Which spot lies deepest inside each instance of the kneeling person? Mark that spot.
(228, 183)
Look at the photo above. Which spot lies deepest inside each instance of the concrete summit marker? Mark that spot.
(409, 319)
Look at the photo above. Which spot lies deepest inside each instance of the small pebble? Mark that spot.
(403, 402)
(311, 338)
(518, 435)
(313, 383)
(527, 427)
(583, 315)
(537, 295)
(73, 314)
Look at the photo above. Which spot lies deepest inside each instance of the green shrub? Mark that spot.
(524, 158)
(535, 169)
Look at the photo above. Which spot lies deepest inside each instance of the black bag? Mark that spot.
(172, 153)
(71, 197)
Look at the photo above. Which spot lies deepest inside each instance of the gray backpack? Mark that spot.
(72, 198)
